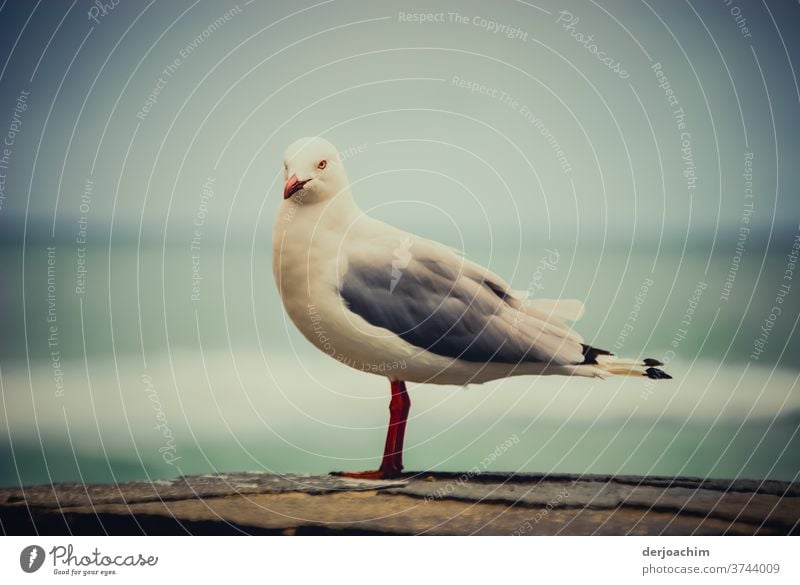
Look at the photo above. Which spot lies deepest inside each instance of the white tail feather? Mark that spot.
(629, 367)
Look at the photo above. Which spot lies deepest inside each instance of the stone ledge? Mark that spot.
(418, 503)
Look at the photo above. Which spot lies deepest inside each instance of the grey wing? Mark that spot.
(441, 304)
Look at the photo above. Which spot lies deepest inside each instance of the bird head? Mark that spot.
(313, 170)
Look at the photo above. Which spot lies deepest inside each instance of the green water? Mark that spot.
(169, 385)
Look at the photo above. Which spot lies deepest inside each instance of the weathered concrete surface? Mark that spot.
(423, 503)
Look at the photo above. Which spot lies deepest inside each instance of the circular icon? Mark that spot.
(31, 558)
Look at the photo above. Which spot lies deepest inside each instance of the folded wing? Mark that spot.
(437, 301)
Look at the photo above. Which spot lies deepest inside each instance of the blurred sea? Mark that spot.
(156, 384)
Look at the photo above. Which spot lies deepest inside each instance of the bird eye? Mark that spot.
(322, 164)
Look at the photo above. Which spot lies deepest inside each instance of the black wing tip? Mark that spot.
(656, 374)
(652, 362)
(590, 354)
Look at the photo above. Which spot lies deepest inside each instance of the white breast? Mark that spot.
(309, 257)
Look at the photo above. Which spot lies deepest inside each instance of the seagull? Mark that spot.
(385, 301)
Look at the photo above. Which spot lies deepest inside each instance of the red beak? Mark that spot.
(293, 185)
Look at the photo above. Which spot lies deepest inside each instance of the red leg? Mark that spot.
(399, 406)
(392, 462)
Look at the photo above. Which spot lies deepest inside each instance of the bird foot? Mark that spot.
(375, 474)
